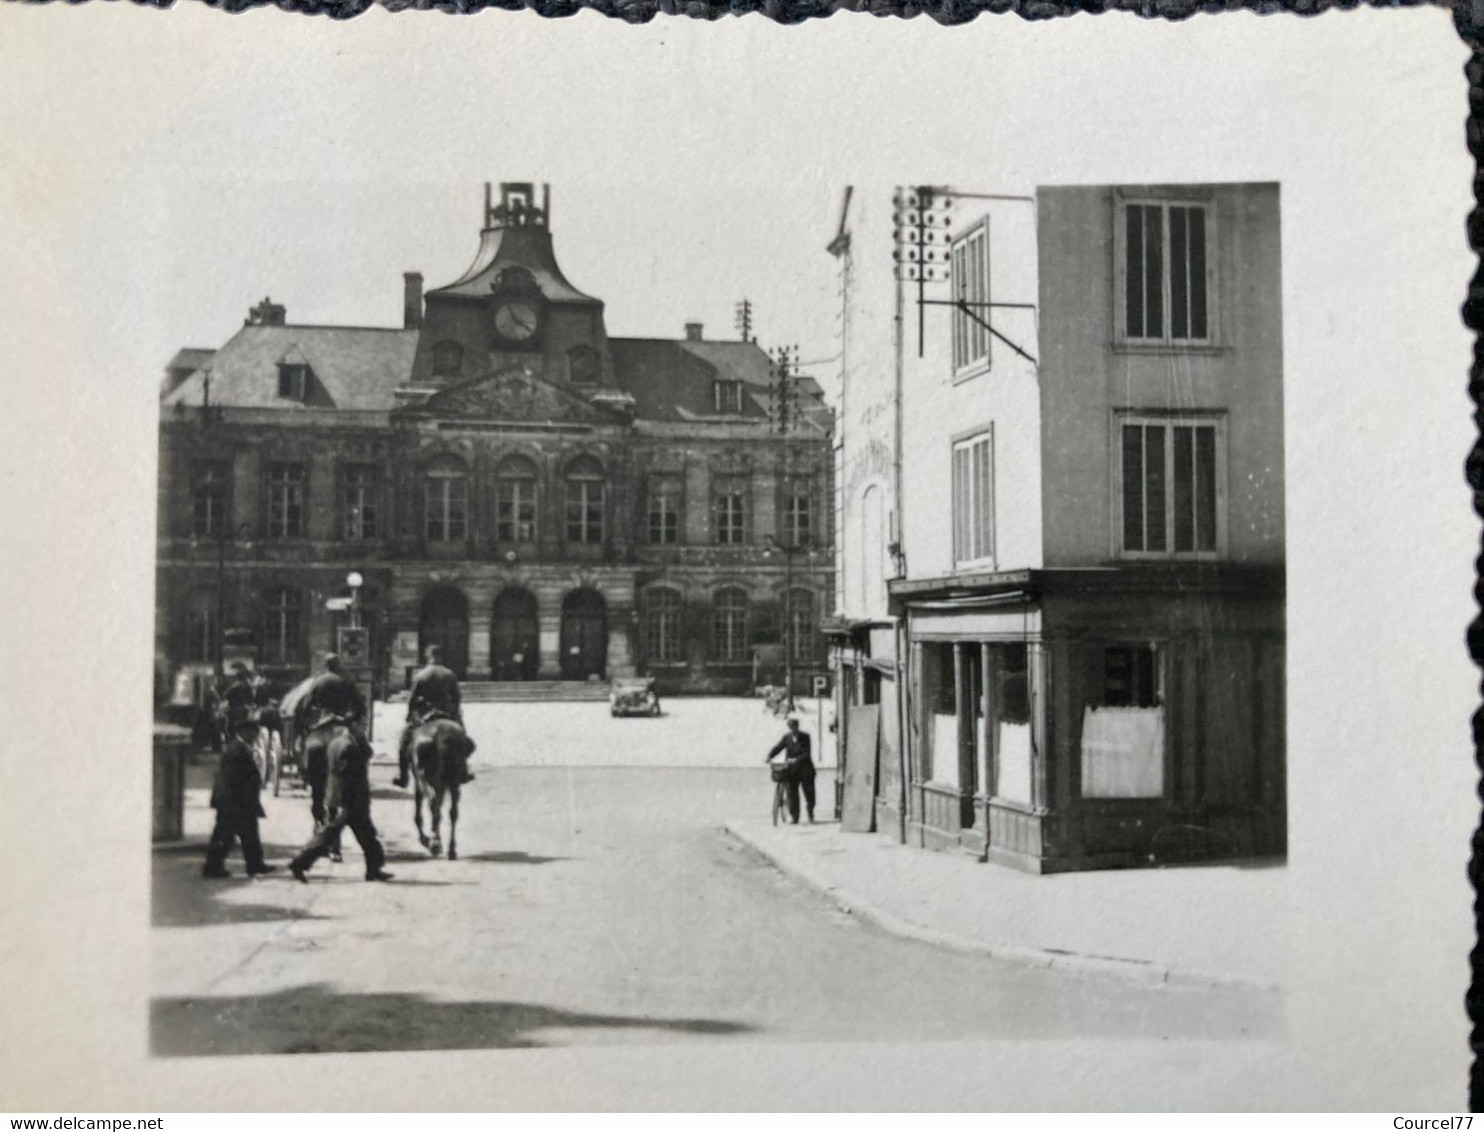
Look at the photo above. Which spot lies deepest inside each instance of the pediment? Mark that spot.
(515, 394)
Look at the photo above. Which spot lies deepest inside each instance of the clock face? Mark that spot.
(517, 320)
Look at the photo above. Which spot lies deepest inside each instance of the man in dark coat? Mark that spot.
(234, 796)
(237, 700)
(333, 699)
(799, 761)
(434, 695)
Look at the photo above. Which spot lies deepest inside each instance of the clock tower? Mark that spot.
(513, 307)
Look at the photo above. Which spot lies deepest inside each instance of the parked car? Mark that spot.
(633, 696)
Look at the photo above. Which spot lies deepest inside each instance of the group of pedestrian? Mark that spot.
(331, 718)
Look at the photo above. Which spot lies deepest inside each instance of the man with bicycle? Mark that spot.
(799, 763)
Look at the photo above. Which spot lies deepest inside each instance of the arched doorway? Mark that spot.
(515, 652)
(584, 634)
(445, 623)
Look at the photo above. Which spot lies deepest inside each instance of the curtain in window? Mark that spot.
(1123, 752)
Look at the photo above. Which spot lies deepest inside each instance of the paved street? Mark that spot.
(593, 903)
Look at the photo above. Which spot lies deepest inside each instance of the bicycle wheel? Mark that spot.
(780, 802)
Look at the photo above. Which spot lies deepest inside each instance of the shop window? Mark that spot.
(1010, 723)
(940, 702)
(1123, 726)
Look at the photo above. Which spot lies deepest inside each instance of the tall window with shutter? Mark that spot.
(1171, 490)
(1165, 252)
(973, 500)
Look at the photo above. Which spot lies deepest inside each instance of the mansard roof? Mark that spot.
(352, 367)
(674, 380)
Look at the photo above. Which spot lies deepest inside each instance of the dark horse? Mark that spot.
(440, 756)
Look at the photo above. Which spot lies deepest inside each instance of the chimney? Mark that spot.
(266, 313)
(412, 300)
(693, 331)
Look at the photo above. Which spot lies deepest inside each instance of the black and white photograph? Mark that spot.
(715, 566)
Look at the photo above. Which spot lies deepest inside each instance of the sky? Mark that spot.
(160, 172)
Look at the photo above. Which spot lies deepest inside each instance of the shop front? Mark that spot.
(1061, 720)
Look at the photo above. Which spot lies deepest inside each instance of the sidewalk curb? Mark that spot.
(1144, 972)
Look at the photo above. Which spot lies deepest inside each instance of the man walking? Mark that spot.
(434, 695)
(795, 746)
(234, 797)
(332, 701)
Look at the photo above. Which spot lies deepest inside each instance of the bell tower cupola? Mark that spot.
(513, 306)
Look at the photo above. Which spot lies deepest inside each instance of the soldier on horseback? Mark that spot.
(333, 702)
(434, 695)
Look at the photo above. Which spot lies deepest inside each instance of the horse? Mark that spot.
(440, 757)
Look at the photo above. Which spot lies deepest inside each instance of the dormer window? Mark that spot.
(728, 396)
(293, 381)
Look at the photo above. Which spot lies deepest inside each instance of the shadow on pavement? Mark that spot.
(509, 857)
(316, 1019)
(181, 898)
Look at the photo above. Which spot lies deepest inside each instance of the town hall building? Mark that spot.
(501, 478)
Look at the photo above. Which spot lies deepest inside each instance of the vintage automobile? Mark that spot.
(633, 696)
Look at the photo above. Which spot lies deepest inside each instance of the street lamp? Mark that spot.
(355, 582)
(224, 536)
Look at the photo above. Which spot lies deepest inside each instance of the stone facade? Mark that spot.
(508, 482)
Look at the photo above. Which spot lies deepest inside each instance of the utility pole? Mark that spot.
(744, 320)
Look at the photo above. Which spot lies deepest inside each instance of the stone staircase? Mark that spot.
(527, 691)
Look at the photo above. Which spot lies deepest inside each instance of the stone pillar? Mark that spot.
(697, 499)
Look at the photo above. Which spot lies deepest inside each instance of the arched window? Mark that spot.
(283, 625)
(448, 359)
(729, 624)
(515, 500)
(446, 498)
(585, 501)
(662, 624)
(798, 624)
(202, 628)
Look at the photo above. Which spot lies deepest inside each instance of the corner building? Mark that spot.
(543, 501)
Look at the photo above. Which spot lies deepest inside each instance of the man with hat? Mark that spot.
(434, 695)
(237, 701)
(234, 797)
(799, 761)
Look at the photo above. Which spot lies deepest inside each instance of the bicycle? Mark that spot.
(780, 790)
